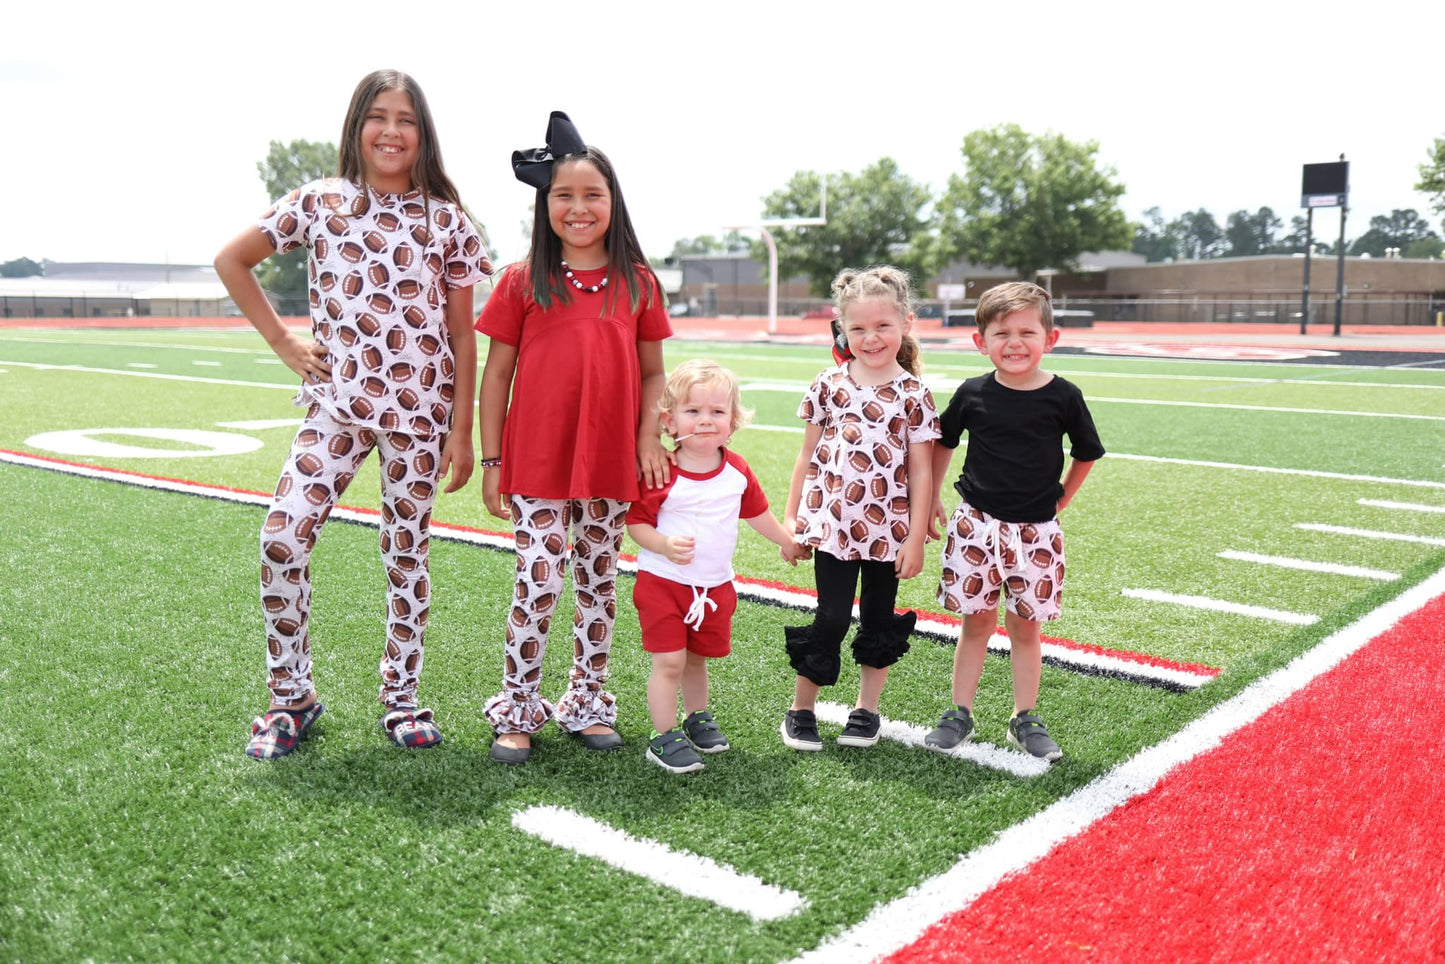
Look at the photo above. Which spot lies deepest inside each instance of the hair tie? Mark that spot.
(534, 167)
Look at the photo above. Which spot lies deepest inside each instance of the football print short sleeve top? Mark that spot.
(378, 293)
(855, 494)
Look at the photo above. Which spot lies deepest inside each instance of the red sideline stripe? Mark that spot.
(764, 590)
(1312, 834)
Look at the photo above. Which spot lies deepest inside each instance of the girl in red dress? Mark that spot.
(576, 344)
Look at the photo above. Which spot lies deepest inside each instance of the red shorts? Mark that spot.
(663, 605)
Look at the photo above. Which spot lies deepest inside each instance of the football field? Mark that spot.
(1244, 514)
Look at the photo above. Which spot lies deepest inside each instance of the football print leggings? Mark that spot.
(323, 460)
(541, 528)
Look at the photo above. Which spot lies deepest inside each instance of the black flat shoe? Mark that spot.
(511, 755)
(600, 741)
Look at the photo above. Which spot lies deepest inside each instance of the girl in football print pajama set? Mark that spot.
(392, 261)
(860, 497)
(576, 342)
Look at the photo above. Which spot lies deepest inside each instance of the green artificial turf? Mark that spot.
(135, 829)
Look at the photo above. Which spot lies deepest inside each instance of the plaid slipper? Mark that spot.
(413, 729)
(278, 731)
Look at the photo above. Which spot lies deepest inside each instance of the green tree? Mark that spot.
(1424, 248)
(1294, 242)
(707, 244)
(1199, 235)
(1030, 202)
(1398, 229)
(1432, 176)
(287, 167)
(1248, 234)
(878, 215)
(1153, 239)
(20, 268)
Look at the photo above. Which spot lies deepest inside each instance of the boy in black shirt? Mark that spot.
(1004, 539)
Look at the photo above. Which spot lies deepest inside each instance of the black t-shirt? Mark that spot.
(1016, 444)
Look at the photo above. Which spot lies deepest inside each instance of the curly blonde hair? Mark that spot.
(703, 372)
(881, 281)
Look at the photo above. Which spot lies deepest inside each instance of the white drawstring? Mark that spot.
(698, 610)
(1012, 543)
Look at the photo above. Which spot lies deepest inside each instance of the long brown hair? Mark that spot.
(626, 263)
(427, 173)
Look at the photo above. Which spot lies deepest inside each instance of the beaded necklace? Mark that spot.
(579, 285)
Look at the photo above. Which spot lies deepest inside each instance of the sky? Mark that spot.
(135, 130)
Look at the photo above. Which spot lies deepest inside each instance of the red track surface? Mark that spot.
(1316, 833)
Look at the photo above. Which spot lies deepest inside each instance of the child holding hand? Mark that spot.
(860, 498)
(1004, 538)
(688, 530)
(568, 427)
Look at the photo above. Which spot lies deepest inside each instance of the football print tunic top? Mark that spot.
(855, 495)
(378, 283)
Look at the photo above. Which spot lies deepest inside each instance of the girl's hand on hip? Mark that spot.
(305, 357)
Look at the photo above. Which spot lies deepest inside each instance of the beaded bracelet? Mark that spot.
(491, 463)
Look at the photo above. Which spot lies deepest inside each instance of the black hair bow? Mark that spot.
(534, 167)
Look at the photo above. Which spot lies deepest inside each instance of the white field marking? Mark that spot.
(117, 343)
(1119, 666)
(1220, 605)
(140, 364)
(262, 423)
(894, 925)
(1277, 409)
(269, 361)
(83, 443)
(40, 366)
(206, 364)
(1309, 473)
(678, 870)
(1402, 506)
(935, 379)
(1369, 533)
(1306, 565)
(291, 387)
(984, 754)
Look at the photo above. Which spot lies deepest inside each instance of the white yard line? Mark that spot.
(679, 870)
(1402, 506)
(897, 923)
(1369, 533)
(984, 754)
(1221, 606)
(1308, 566)
(1273, 409)
(1274, 470)
(38, 366)
(117, 343)
(261, 423)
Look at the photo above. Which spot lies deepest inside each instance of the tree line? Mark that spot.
(1029, 202)
(1023, 201)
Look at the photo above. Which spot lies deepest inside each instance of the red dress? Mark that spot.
(571, 427)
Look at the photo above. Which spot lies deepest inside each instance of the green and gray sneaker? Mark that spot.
(1027, 732)
(955, 727)
(673, 752)
(703, 731)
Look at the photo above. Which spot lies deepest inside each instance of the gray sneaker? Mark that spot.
(861, 729)
(673, 752)
(704, 732)
(955, 727)
(1027, 732)
(800, 730)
